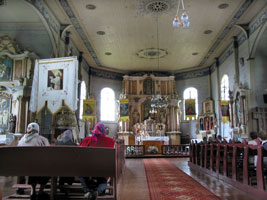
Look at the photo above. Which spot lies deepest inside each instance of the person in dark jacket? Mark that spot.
(66, 139)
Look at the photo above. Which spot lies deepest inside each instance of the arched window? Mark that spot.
(107, 107)
(225, 87)
(82, 97)
(191, 93)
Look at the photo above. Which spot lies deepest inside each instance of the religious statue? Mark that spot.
(12, 123)
(201, 124)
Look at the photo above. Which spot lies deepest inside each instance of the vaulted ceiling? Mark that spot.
(137, 35)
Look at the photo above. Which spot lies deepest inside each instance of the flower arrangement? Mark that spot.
(153, 150)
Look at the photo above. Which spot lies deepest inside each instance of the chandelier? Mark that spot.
(158, 102)
(184, 22)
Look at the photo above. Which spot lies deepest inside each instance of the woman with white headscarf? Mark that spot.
(32, 138)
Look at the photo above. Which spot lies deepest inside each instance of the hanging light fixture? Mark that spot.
(157, 101)
(184, 22)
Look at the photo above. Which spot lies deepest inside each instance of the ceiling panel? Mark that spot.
(133, 33)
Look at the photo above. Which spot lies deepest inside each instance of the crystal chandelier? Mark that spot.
(184, 22)
(158, 102)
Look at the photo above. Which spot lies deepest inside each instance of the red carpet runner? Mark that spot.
(166, 181)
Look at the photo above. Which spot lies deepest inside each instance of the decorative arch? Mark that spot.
(45, 23)
(257, 40)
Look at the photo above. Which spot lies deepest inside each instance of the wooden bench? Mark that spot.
(63, 161)
(230, 163)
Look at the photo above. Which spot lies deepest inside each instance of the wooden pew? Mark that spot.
(62, 161)
(254, 150)
(233, 158)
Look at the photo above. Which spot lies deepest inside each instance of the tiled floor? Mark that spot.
(133, 185)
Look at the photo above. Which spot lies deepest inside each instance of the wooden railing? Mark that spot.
(134, 150)
(166, 150)
(232, 162)
(175, 150)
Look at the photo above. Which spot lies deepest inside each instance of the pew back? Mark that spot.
(57, 161)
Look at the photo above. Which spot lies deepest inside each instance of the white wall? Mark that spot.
(202, 86)
(97, 84)
(260, 71)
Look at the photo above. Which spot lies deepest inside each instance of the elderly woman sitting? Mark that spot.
(95, 186)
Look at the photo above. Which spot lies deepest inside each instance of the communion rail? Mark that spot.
(182, 150)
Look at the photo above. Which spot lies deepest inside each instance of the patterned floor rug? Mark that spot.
(167, 182)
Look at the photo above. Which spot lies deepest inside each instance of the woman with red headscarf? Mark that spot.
(95, 186)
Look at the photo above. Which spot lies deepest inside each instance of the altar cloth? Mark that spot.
(165, 139)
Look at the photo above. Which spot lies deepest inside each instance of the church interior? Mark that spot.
(178, 85)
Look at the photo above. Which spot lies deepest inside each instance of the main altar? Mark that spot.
(149, 111)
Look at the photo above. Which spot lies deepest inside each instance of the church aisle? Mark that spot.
(133, 186)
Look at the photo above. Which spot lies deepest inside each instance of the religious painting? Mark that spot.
(124, 111)
(208, 106)
(225, 111)
(190, 108)
(88, 109)
(148, 86)
(5, 68)
(4, 112)
(55, 79)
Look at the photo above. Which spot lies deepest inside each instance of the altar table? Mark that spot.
(152, 141)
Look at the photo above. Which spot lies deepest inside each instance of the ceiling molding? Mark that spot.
(105, 74)
(192, 74)
(43, 16)
(226, 30)
(46, 14)
(19, 26)
(65, 5)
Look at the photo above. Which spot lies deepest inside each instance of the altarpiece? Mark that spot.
(146, 122)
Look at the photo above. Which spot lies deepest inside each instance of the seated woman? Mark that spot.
(95, 186)
(32, 138)
(66, 138)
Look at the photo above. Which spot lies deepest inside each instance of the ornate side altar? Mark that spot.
(16, 67)
(152, 110)
(206, 121)
(239, 111)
